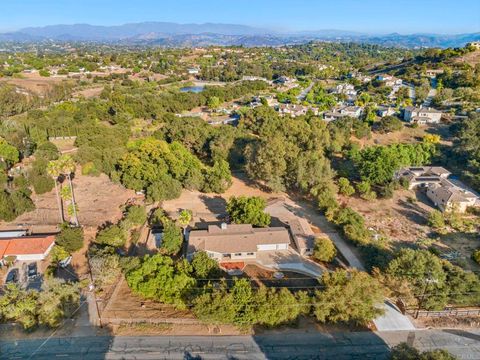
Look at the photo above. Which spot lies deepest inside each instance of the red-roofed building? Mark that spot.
(27, 248)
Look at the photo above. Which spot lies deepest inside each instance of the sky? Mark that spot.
(370, 16)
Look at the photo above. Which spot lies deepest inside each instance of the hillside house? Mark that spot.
(352, 111)
(295, 110)
(444, 193)
(389, 80)
(421, 115)
(447, 196)
(346, 89)
(383, 111)
(433, 72)
(228, 242)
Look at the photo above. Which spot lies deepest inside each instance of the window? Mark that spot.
(250, 253)
(238, 254)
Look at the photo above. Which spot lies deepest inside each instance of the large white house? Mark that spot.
(352, 111)
(421, 115)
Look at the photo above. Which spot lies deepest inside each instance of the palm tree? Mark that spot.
(184, 219)
(67, 167)
(54, 171)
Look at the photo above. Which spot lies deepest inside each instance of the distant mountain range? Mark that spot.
(173, 34)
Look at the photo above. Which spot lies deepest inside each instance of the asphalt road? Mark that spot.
(338, 346)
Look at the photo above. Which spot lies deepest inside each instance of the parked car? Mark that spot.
(12, 276)
(32, 270)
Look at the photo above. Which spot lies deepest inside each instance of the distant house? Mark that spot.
(255, 78)
(352, 111)
(475, 44)
(227, 242)
(285, 81)
(27, 248)
(383, 111)
(295, 110)
(346, 89)
(445, 194)
(193, 71)
(421, 115)
(389, 80)
(433, 72)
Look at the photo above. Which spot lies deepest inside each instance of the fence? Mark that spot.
(448, 312)
(119, 318)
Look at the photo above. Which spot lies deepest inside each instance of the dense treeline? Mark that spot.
(162, 169)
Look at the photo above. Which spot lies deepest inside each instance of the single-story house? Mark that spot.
(27, 248)
(227, 242)
(421, 115)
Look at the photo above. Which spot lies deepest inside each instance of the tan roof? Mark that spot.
(448, 192)
(299, 227)
(302, 232)
(235, 238)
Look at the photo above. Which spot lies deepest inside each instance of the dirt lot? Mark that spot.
(401, 218)
(206, 206)
(125, 305)
(472, 58)
(406, 135)
(99, 200)
(64, 145)
(34, 82)
(89, 93)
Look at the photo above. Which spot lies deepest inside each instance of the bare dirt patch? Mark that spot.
(89, 93)
(207, 207)
(34, 82)
(401, 218)
(125, 305)
(99, 200)
(64, 145)
(472, 58)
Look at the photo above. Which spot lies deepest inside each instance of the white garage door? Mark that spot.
(267, 247)
(272, 247)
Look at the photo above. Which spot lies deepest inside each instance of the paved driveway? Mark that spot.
(392, 320)
(287, 260)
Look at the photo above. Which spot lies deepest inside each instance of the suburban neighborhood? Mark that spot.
(204, 189)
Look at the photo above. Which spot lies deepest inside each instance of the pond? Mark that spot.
(193, 89)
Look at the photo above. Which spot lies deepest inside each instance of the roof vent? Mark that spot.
(224, 226)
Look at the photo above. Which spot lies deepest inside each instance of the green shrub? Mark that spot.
(324, 250)
(70, 238)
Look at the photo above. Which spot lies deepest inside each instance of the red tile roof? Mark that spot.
(26, 245)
